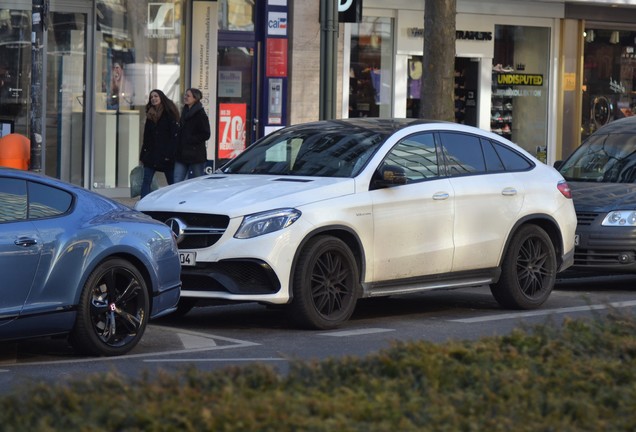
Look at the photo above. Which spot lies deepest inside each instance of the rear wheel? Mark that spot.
(528, 270)
(325, 284)
(113, 310)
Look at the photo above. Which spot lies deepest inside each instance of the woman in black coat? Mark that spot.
(161, 133)
(194, 132)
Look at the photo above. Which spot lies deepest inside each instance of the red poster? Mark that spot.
(276, 63)
(231, 129)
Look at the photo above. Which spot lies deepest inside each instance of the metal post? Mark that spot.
(328, 57)
(39, 11)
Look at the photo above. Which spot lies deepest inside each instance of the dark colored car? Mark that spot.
(75, 263)
(602, 176)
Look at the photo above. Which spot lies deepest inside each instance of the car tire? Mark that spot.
(113, 310)
(528, 271)
(185, 305)
(325, 284)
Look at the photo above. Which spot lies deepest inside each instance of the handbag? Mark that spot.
(137, 178)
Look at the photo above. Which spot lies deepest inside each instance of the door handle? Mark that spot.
(509, 191)
(440, 196)
(25, 241)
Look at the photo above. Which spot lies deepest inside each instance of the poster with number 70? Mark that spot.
(231, 129)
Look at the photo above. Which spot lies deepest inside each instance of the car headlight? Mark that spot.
(620, 218)
(264, 223)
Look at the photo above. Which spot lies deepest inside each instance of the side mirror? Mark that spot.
(557, 164)
(389, 175)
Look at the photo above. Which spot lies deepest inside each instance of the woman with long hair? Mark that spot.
(194, 132)
(161, 134)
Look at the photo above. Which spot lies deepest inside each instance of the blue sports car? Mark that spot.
(74, 262)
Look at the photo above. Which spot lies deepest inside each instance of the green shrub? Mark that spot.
(579, 376)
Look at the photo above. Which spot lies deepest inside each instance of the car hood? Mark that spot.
(603, 197)
(237, 194)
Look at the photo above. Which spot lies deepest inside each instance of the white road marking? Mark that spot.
(544, 312)
(190, 337)
(267, 359)
(191, 341)
(356, 332)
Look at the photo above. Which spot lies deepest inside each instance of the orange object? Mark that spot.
(15, 151)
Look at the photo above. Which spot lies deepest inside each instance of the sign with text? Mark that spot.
(203, 54)
(350, 11)
(276, 63)
(232, 117)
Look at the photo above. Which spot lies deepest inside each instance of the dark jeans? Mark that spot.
(184, 171)
(149, 174)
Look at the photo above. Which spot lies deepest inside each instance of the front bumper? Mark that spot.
(604, 248)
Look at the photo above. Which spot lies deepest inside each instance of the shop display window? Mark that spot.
(138, 49)
(15, 68)
(371, 66)
(519, 106)
(609, 77)
(236, 15)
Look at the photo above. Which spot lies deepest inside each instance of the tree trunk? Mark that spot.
(438, 61)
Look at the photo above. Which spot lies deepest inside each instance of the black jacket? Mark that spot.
(194, 132)
(160, 143)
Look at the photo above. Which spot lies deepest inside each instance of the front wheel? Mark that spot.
(325, 284)
(528, 271)
(113, 310)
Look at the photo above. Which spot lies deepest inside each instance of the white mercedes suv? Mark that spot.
(318, 215)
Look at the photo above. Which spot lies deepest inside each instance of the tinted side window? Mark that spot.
(512, 160)
(493, 163)
(13, 200)
(416, 155)
(462, 153)
(46, 201)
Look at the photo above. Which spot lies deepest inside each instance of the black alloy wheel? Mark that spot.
(528, 271)
(325, 284)
(113, 310)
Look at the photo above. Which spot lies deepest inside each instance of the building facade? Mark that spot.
(543, 73)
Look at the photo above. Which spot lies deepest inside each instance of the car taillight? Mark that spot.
(563, 187)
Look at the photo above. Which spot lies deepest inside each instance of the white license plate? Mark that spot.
(576, 239)
(188, 258)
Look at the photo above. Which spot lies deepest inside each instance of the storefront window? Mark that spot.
(237, 15)
(609, 77)
(371, 66)
(137, 51)
(15, 70)
(520, 86)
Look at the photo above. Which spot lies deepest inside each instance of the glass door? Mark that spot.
(65, 114)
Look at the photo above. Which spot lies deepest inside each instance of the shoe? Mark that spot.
(496, 116)
(497, 131)
(506, 129)
(497, 68)
(507, 106)
(507, 69)
(497, 106)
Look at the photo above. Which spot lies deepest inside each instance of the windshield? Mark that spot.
(333, 150)
(609, 158)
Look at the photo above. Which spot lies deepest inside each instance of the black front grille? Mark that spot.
(199, 240)
(586, 218)
(235, 277)
(193, 219)
(587, 257)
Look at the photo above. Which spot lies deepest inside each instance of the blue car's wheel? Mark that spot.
(113, 310)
